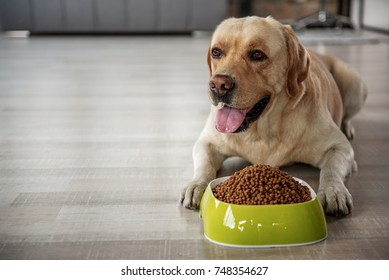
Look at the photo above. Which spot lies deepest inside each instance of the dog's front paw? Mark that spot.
(336, 201)
(191, 195)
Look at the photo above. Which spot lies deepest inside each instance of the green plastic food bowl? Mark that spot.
(262, 225)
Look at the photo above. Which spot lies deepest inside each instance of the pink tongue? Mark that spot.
(228, 119)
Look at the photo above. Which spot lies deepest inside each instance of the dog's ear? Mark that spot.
(209, 61)
(298, 63)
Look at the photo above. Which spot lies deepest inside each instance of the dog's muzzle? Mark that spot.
(221, 88)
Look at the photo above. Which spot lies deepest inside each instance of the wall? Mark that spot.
(111, 15)
(375, 14)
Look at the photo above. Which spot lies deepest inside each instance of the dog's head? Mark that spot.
(252, 61)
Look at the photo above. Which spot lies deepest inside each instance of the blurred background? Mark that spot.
(161, 16)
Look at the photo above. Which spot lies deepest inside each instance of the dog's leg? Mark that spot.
(337, 163)
(353, 99)
(353, 91)
(207, 161)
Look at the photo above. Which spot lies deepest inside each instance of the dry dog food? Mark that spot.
(261, 185)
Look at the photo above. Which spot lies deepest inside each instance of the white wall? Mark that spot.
(376, 14)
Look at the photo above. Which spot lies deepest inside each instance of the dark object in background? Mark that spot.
(323, 20)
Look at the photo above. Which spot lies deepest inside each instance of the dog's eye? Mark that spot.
(257, 55)
(216, 53)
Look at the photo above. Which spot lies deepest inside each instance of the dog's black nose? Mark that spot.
(221, 84)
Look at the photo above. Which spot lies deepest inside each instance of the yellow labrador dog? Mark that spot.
(275, 102)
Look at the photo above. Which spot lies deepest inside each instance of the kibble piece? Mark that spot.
(261, 185)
